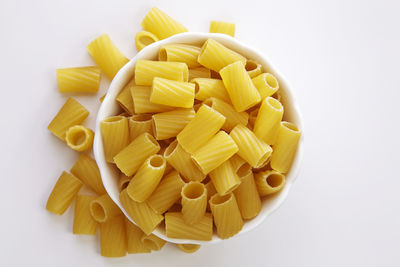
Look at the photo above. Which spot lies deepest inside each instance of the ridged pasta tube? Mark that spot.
(253, 68)
(113, 241)
(169, 124)
(124, 98)
(141, 101)
(269, 182)
(79, 138)
(206, 88)
(194, 202)
(115, 135)
(224, 178)
(268, 120)
(172, 93)
(147, 70)
(143, 39)
(84, 224)
(175, 227)
(103, 208)
(134, 239)
(79, 80)
(180, 53)
(222, 27)
(266, 84)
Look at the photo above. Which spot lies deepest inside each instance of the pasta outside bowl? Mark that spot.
(110, 107)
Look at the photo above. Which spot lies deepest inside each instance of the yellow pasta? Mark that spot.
(215, 56)
(85, 168)
(141, 213)
(162, 25)
(253, 68)
(153, 242)
(132, 156)
(176, 227)
(141, 101)
(103, 208)
(188, 248)
(222, 27)
(285, 147)
(147, 70)
(169, 124)
(268, 120)
(124, 98)
(138, 124)
(113, 241)
(172, 93)
(166, 193)
(194, 202)
(266, 84)
(79, 138)
(224, 178)
(134, 239)
(146, 178)
(269, 182)
(78, 80)
(115, 135)
(70, 114)
(217, 150)
(181, 161)
(195, 134)
(251, 149)
(63, 193)
(143, 39)
(226, 215)
(241, 90)
(123, 181)
(206, 88)
(84, 224)
(107, 55)
(199, 72)
(180, 53)
(237, 162)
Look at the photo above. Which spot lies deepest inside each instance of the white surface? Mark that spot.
(342, 58)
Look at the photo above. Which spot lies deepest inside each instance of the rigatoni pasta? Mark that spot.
(253, 68)
(113, 241)
(266, 84)
(141, 101)
(124, 98)
(194, 202)
(269, 182)
(79, 80)
(143, 39)
(169, 124)
(206, 88)
(79, 138)
(222, 27)
(115, 135)
(224, 178)
(138, 124)
(134, 239)
(84, 224)
(172, 93)
(153, 242)
(175, 227)
(180, 53)
(103, 208)
(147, 70)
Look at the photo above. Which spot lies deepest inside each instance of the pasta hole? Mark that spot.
(271, 81)
(124, 185)
(274, 103)
(141, 117)
(274, 180)
(151, 139)
(193, 190)
(76, 137)
(243, 170)
(114, 119)
(98, 212)
(290, 126)
(157, 161)
(162, 55)
(250, 65)
(217, 199)
(170, 149)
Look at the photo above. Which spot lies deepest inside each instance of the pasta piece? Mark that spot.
(84, 224)
(115, 135)
(113, 241)
(222, 27)
(195, 134)
(79, 138)
(253, 68)
(132, 156)
(176, 227)
(180, 53)
(266, 84)
(139, 124)
(206, 88)
(70, 114)
(181, 161)
(146, 178)
(285, 147)
(141, 101)
(199, 72)
(217, 150)
(226, 215)
(134, 239)
(233, 117)
(215, 56)
(147, 70)
(194, 202)
(237, 162)
(103, 208)
(85, 168)
(172, 93)
(241, 90)
(269, 182)
(63, 193)
(107, 55)
(101, 99)
(252, 118)
(162, 25)
(251, 149)
(143, 39)
(153, 242)
(224, 178)
(246, 194)
(123, 181)
(124, 98)
(79, 80)
(167, 193)
(188, 248)
(268, 120)
(141, 213)
(169, 124)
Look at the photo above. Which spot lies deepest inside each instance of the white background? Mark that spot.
(342, 58)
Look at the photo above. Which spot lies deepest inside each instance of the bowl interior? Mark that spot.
(109, 107)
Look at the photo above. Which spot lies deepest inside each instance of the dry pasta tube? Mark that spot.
(134, 239)
(194, 202)
(115, 135)
(206, 88)
(79, 138)
(266, 84)
(124, 98)
(180, 53)
(188, 248)
(141, 101)
(268, 120)
(175, 227)
(143, 39)
(269, 182)
(103, 208)
(113, 241)
(153, 242)
(253, 68)
(147, 70)
(169, 124)
(172, 93)
(79, 80)
(84, 224)
(222, 27)
(224, 178)
(138, 124)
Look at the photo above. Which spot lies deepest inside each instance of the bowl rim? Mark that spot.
(121, 79)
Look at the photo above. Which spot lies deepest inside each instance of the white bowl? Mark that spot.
(110, 108)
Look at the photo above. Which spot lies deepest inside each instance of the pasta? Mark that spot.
(143, 39)
(215, 56)
(237, 162)
(195, 135)
(251, 149)
(285, 147)
(224, 178)
(268, 120)
(85, 168)
(78, 80)
(103, 208)
(63, 193)
(70, 114)
(134, 239)
(253, 69)
(194, 202)
(138, 124)
(161, 25)
(84, 224)
(217, 150)
(222, 27)
(206, 88)
(124, 98)
(188, 248)
(269, 182)
(123, 181)
(226, 215)
(199, 72)
(172, 93)
(147, 70)
(169, 124)
(176, 227)
(115, 133)
(146, 178)
(153, 242)
(79, 138)
(266, 84)
(141, 101)
(107, 55)
(241, 90)
(113, 241)
(180, 53)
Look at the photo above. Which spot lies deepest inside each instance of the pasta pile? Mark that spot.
(199, 140)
